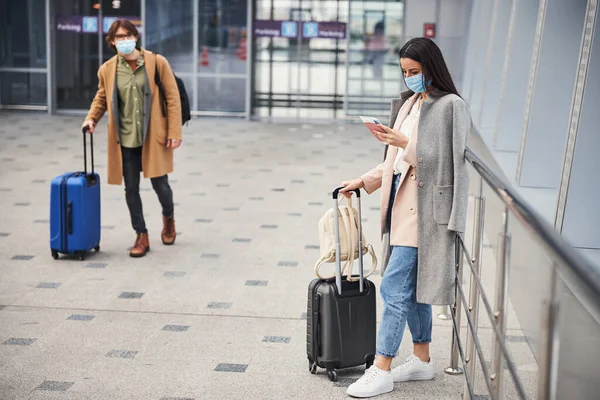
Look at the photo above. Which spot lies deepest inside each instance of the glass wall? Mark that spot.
(344, 67)
(23, 61)
(205, 43)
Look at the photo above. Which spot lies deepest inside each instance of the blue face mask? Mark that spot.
(125, 46)
(416, 83)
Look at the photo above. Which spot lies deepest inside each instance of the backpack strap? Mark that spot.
(161, 89)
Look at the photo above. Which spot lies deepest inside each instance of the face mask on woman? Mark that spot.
(125, 46)
(416, 83)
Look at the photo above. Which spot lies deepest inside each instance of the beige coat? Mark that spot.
(157, 159)
(404, 209)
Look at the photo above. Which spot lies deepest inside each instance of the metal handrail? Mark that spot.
(565, 258)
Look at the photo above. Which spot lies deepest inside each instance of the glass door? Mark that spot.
(374, 75)
(78, 46)
(299, 60)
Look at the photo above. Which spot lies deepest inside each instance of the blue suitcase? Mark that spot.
(75, 210)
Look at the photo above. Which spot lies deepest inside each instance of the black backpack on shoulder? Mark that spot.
(186, 114)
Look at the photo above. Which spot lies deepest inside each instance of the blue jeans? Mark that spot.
(399, 293)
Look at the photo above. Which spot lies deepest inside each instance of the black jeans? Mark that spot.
(132, 167)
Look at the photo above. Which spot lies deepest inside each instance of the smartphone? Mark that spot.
(372, 124)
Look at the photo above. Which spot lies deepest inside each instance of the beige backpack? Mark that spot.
(349, 228)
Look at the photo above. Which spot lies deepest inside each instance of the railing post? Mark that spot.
(454, 369)
(502, 278)
(473, 290)
(548, 351)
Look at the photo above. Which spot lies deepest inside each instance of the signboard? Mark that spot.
(294, 29)
(89, 24)
(429, 30)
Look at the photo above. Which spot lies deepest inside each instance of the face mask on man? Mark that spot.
(125, 46)
(416, 83)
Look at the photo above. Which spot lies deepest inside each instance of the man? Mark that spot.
(140, 137)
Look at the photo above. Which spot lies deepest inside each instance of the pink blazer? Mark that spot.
(404, 210)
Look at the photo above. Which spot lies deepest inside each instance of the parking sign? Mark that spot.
(289, 29)
(310, 30)
(90, 24)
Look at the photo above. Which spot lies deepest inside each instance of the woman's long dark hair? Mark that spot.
(430, 56)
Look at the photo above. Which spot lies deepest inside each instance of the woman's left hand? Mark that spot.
(393, 137)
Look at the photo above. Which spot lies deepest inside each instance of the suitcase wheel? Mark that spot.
(80, 255)
(332, 375)
(55, 254)
(369, 364)
(312, 367)
(97, 248)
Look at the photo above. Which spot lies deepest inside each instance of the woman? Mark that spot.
(140, 137)
(423, 206)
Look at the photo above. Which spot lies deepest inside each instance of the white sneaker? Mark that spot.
(413, 370)
(374, 382)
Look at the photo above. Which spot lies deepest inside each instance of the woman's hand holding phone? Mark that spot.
(390, 136)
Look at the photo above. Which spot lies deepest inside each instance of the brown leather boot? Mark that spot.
(168, 234)
(141, 246)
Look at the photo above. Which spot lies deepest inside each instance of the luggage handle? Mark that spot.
(336, 227)
(70, 217)
(85, 130)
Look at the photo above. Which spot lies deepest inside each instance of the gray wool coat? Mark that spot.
(444, 127)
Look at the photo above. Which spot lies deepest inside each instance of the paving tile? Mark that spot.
(175, 328)
(303, 316)
(131, 295)
(177, 398)
(81, 317)
(315, 203)
(215, 304)
(269, 226)
(231, 209)
(96, 265)
(2, 308)
(256, 283)
(122, 354)
(41, 221)
(48, 285)
(22, 204)
(203, 220)
(55, 386)
(516, 339)
(241, 240)
(20, 341)
(231, 367)
(276, 339)
(174, 274)
(312, 247)
(209, 255)
(287, 263)
(22, 257)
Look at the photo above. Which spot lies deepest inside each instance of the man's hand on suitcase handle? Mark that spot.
(349, 186)
(88, 126)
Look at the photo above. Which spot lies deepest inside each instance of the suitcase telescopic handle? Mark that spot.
(336, 232)
(337, 191)
(85, 130)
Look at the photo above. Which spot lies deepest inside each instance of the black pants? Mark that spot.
(132, 167)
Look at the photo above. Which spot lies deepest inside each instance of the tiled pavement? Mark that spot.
(220, 315)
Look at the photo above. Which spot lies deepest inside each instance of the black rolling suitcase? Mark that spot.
(341, 316)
